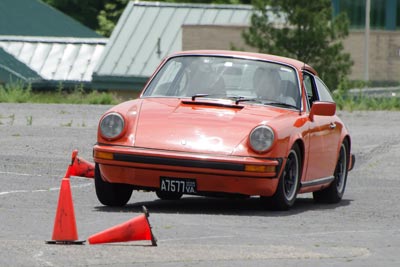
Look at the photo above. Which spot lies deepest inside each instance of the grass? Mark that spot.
(29, 120)
(68, 124)
(361, 101)
(345, 101)
(18, 93)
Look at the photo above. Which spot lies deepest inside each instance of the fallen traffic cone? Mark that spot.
(137, 228)
(64, 231)
(79, 167)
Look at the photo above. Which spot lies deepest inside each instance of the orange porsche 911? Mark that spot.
(225, 123)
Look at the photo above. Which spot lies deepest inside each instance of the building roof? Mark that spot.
(55, 58)
(44, 47)
(12, 69)
(35, 18)
(149, 31)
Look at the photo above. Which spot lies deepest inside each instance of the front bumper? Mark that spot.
(226, 174)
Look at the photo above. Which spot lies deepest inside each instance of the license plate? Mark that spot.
(178, 185)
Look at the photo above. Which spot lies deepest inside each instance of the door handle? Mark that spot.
(332, 125)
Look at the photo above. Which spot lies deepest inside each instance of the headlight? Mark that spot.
(261, 138)
(112, 125)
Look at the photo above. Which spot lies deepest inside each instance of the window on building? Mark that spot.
(398, 15)
(355, 10)
(377, 15)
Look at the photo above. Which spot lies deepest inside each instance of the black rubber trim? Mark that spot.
(318, 181)
(180, 162)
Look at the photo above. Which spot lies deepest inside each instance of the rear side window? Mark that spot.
(323, 91)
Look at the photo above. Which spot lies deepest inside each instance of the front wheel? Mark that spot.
(288, 186)
(111, 194)
(334, 192)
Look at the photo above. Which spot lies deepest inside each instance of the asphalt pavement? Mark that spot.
(36, 142)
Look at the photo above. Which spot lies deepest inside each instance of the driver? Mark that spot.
(267, 83)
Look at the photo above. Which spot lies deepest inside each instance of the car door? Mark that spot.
(324, 133)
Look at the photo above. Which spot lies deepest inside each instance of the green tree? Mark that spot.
(84, 11)
(108, 17)
(305, 30)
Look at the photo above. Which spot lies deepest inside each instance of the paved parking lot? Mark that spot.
(36, 144)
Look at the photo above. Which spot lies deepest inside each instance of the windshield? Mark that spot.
(226, 77)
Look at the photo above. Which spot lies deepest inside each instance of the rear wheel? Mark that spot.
(288, 186)
(335, 191)
(111, 194)
(168, 195)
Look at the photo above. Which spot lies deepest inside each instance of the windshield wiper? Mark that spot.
(281, 104)
(239, 99)
(198, 95)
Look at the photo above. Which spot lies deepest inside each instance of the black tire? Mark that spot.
(288, 186)
(334, 193)
(168, 195)
(111, 194)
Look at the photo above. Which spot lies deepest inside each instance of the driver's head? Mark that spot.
(266, 82)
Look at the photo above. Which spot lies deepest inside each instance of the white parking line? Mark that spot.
(197, 238)
(41, 190)
(42, 261)
(21, 174)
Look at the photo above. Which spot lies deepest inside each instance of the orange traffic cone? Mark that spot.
(137, 228)
(64, 231)
(79, 167)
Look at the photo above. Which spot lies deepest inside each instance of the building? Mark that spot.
(383, 62)
(41, 46)
(148, 31)
(384, 14)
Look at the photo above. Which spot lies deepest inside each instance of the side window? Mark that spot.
(323, 91)
(310, 88)
(308, 85)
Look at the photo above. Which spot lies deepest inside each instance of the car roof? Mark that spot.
(299, 65)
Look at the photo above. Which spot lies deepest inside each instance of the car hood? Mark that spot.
(199, 126)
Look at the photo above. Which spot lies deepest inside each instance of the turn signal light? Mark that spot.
(259, 168)
(103, 155)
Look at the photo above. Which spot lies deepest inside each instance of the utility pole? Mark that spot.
(366, 40)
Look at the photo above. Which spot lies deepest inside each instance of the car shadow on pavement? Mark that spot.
(222, 206)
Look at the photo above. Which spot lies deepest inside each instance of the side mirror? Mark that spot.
(322, 109)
